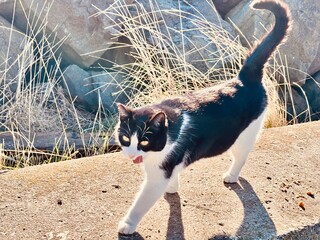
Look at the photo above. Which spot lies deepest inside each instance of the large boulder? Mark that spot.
(16, 52)
(302, 102)
(296, 105)
(312, 91)
(192, 31)
(117, 56)
(81, 33)
(301, 52)
(94, 91)
(224, 6)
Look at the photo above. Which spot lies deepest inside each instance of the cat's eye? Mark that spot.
(144, 143)
(125, 138)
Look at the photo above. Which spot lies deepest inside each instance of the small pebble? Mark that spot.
(301, 204)
(310, 194)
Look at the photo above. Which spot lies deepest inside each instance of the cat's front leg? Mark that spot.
(152, 189)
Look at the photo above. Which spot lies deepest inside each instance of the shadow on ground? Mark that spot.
(256, 221)
(135, 236)
(255, 224)
(175, 230)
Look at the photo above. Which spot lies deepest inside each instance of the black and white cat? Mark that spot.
(169, 136)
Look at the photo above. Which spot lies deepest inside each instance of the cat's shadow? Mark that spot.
(175, 228)
(254, 211)
(134, 236)
(256, 220)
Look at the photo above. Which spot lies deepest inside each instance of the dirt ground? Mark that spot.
(86, 198)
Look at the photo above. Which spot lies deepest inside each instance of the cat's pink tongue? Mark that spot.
(138, 160)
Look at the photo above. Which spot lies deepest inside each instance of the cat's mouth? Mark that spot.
(137, 160)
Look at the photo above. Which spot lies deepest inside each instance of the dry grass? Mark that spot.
(38, 103)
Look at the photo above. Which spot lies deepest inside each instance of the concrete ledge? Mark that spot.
(85, 198)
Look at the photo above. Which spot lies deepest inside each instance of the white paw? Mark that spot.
(228, 178)
(125, 227)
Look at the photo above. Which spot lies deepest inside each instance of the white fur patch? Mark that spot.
(185, 124)
(241, 148)
(183, 131)
(132, 150)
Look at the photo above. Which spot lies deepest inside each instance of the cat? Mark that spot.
(169, 136)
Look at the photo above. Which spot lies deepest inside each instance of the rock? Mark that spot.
(301, 51)
(312, 91)
(296, 105)
(224, 6)
(84, 33)
(187, 31)
(303, 102)
(15, 56)
(92, 90)
(117, 56)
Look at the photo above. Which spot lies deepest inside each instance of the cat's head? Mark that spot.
(141, 131)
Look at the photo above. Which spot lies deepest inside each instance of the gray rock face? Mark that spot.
(303, 103)
(118, 55)
(85, 34)
(296, 106)
(15, 56)
(312, 91)
(92, 90)
(224, 6)
(301, 52)
(188, 29)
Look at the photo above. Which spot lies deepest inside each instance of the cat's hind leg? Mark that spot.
(241, 148)
(173, 185)
(174, 182)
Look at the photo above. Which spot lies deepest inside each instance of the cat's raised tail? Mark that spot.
(252, 70)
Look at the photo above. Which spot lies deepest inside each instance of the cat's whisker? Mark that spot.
(125, 130)
(148, 132)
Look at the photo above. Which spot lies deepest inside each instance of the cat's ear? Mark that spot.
(159, 119)
(124, 111)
